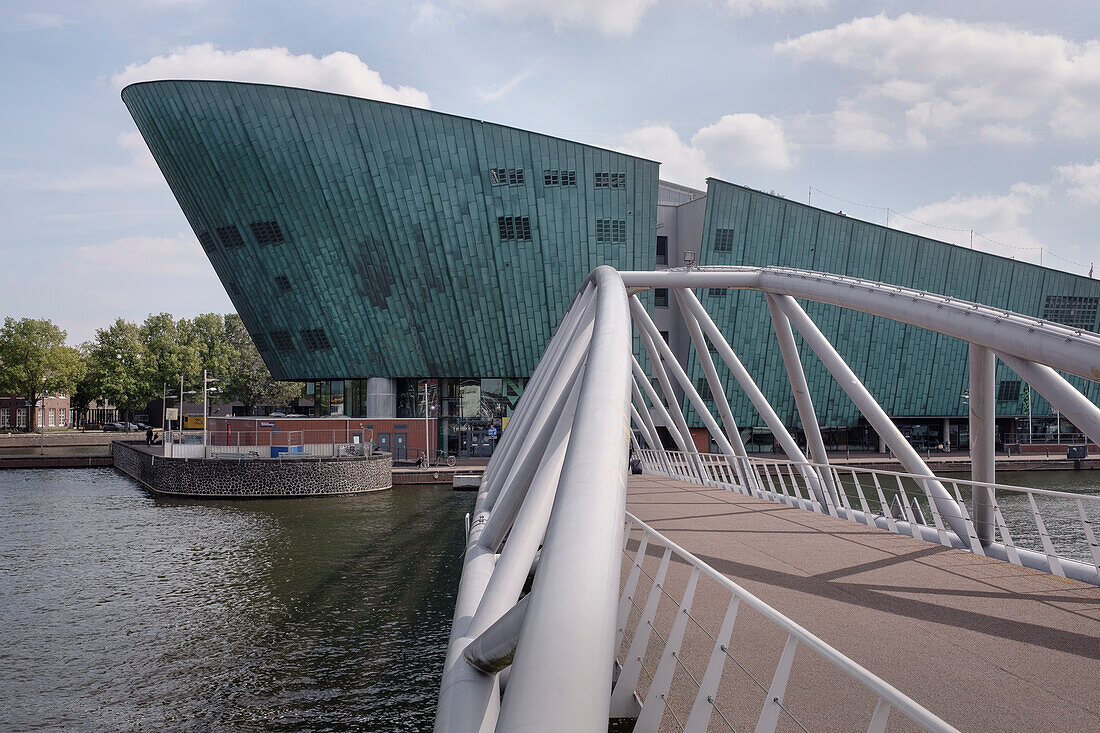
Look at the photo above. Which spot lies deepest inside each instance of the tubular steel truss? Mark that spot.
(539, 619)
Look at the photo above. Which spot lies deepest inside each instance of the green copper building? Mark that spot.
(373, 250)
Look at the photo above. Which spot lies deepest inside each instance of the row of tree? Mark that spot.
(127, 364)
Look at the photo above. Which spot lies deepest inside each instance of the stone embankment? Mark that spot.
(252, 478)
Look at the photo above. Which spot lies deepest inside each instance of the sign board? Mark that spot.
(492, 432)
(172, 413)
(267, 424)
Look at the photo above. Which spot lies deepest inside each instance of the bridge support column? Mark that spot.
(983, 421)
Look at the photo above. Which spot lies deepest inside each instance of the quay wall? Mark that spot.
(284, 477)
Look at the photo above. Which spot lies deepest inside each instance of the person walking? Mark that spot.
(148, 436)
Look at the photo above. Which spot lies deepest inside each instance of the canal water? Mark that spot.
(122, 611)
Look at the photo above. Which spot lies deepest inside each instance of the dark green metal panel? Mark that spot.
(913, 372)
(389, 220)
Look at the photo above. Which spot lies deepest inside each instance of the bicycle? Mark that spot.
(441, 458)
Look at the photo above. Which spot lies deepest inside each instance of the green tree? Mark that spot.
(206, 335)
(119, 368)
(249, 381)
(34, 361)
(170, 350)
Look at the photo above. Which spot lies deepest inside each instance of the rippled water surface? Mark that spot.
(121, 611)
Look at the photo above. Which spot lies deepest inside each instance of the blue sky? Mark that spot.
(980, 116)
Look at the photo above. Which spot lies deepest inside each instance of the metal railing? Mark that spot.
(644, 692)
(537, 618)
(1048, 530)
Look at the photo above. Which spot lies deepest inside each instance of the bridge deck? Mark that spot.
(983, 644)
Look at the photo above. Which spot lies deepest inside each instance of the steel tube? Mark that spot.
(870, 409)
(561, 675)
(495, 647)
(983, 434)
(674, 409)
(807, 415)
(1060, 393)
(683, 441)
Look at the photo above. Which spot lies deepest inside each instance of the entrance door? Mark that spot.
(399, 441)
(384, 442)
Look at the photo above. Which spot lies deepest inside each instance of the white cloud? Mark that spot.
(1082, 181)
(493, 93)
(610, 17)
(140, 172)
(680, 163)
(859, 131)
(736, 142)
(750, 7)
(38, 21)
(938, 79)
(340, 72)
(997, 220)
(745, 140)
(132, 258)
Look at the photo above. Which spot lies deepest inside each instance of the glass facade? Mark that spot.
(472, 412)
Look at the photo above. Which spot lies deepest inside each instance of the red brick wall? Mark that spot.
(296, 431)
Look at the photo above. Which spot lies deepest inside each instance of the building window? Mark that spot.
(610, 231)
(506, 176)
(206, 239)
(52, 418)
(559, 178)
(230, 237)
(513, 228)
(5, 417)
(716, 292)
(233, 288)
(711, 347)
(1072, 311)
(610, 180)
(664, 335)
(262, 343)
(61, 417)
(283, 282)
(1008, 391)
(282, 340)
(266, 232)
(723, 240)
(316, 339)
(702, 386)
(662, 250)
(21, 417)
(660, 297)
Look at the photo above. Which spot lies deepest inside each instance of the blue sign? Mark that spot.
(492, 432)
(267, 425)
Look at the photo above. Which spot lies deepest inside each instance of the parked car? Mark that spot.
(112, 427)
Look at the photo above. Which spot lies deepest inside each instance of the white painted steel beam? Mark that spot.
(561, 675)
(1061, 394)
(983, 436)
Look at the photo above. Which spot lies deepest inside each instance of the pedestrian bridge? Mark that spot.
(728, 592)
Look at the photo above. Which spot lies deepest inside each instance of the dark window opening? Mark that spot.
(664, 335)
(506, 176)
(723, 240)
(1072, 311)
(662, 250)
(234, 289)
(610, 180)
(206, 239)
(716, 292)
(610, 231)
(1008, 391)
(316, 339)
(660, 297)
(559, 178)
(266, 232)
(283, 282)
(282, 341)
(230, 236)
(514, 228)
(702, 386)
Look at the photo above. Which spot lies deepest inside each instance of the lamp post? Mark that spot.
(206, 380)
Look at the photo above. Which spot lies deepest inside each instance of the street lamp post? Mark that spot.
(206, 380)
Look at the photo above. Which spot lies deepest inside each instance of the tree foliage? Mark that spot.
(119, 366)
(248, 380)
(34, 360)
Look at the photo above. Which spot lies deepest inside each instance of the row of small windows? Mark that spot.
(264, 232)
(556, 177)
(514, 228)
(723, 240)
(610, 180)
(1008, 391)
(283, 283)
(559, 178)
(506, 176)
(610, 231)
(1071, 310)
(702, 386)
(716, 292)
(315, 339)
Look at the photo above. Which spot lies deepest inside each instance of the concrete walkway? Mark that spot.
(985, 645)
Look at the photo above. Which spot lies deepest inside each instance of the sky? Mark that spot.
(976, 123)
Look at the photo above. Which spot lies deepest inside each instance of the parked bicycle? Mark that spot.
(441, 458)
